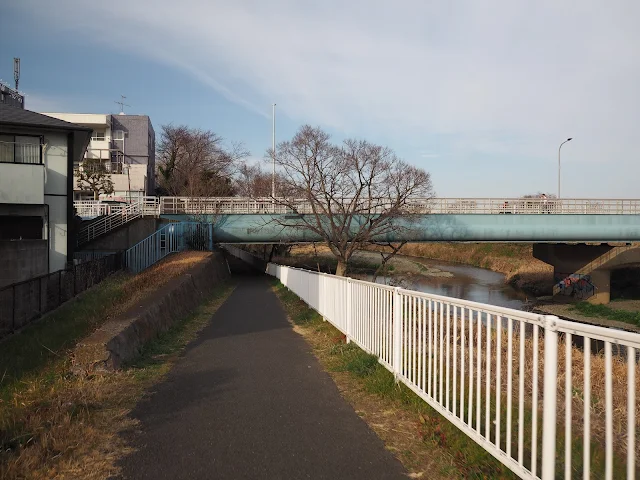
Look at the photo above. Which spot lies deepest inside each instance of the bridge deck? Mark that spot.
(249, 400)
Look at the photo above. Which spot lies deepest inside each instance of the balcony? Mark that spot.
(13, 152)
(106, 166)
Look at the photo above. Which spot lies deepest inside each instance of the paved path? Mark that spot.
(249, 400)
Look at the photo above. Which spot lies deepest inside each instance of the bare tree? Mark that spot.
(196, 163)
(254, 182)
(350, 195)
(93, 175)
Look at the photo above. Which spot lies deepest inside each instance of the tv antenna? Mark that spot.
(16, 71)
(122, 104)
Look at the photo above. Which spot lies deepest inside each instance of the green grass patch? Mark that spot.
(47, 339)
(604, 311)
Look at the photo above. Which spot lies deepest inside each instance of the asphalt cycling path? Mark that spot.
(248, 400)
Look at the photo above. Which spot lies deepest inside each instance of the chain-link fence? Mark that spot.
(23, 302)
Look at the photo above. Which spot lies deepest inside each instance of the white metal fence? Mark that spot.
(527, 388)
(171, 238)
(464, 206)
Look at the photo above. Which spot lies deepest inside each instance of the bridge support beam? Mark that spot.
(569, 263)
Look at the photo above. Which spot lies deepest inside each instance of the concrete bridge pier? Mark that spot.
(585, 269)
(575, 265)
(601, 279)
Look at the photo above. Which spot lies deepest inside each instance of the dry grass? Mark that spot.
(57, 425)
(577, 395)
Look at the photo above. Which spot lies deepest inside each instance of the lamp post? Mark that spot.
(560, 147)
(273, 153)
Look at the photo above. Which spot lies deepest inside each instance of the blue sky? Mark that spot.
(480, 94)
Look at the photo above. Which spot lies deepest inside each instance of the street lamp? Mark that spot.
(567, 140)
(273, 153)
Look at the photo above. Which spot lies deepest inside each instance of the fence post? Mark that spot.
(549, 413)
(13, 315)
(40, 295)
(397, 333)
(348, 306)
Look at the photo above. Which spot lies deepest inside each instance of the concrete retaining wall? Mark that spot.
(121, 339)
(21, 260)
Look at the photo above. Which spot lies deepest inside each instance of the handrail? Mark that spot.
(433, 206)
(147, 206)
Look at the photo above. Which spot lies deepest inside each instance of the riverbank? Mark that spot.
(514, 260)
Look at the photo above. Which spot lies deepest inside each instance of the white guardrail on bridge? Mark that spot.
(240, 205)
(519, 391)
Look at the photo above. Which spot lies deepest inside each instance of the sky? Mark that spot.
(479, 94)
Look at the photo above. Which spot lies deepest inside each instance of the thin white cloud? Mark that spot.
(500, 77)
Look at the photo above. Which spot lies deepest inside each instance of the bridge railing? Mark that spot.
(527, 388)
(464, 206)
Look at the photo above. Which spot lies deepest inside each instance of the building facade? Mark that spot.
(126, 145)
(37, 222)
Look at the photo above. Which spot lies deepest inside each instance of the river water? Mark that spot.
(461, 281)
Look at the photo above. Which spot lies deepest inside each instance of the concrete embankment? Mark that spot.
(121, 339)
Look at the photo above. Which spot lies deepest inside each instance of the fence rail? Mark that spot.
(171, 238)
(24, 302)
(463, 206)
(525, 387)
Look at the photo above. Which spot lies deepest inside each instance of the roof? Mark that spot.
(17, 116)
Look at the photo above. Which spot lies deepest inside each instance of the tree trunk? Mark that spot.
(95, 195)
(341, 269)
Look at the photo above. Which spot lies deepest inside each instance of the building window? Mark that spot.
(20, 149)
(118, 135)
(20, 227)
(98, 136)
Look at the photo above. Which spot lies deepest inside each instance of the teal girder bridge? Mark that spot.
(563, 231)
(570, 228)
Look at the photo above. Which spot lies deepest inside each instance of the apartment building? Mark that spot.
(126, 145)
(37, 223)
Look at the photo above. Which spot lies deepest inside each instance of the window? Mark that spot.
(118, 135)
(98, 136)
(20, 149)
(20, 227)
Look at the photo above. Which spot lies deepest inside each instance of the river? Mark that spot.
(460, 281)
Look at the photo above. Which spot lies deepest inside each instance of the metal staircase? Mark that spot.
(147, 206)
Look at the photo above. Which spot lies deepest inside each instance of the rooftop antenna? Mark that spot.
(122, 104)
(16, 71)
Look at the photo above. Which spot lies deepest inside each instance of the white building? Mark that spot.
(37, 224)
(126, 145)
